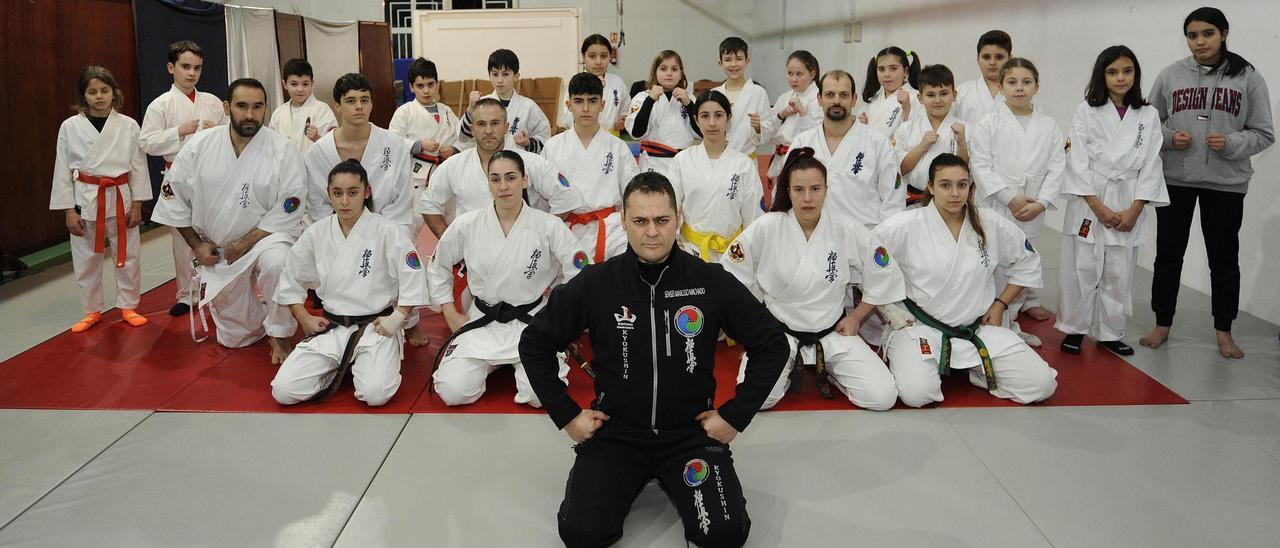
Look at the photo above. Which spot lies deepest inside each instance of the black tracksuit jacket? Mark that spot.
(654, 345)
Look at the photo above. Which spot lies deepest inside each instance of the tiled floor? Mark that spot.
(1207, 474)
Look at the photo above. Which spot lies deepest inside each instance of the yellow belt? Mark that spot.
(707, 241)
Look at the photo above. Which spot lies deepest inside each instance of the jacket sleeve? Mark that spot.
(1258, 132)
(747, 321)
(1159, 98)
(559, 323)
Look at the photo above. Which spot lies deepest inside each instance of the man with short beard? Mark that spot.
(862, 169)
(237, 196)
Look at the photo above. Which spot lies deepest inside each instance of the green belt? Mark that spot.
(968, 333)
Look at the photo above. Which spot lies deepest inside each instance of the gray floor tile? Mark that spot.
(1256, 420)
(216, 480)
(1129, 476)
(39, 449)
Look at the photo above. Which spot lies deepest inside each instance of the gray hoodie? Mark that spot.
(1192, 100)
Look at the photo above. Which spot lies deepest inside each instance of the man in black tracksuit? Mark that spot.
(654, 315)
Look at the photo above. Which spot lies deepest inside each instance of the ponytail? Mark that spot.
(1231, 63)
(797, 159)
(912, 68)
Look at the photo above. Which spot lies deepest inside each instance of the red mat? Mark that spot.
(158, 367)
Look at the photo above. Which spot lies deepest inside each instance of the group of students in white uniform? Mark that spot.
(907, 220)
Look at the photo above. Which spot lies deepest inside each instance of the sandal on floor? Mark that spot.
(1071, 344)
(133, 317)
(1119, 347)
(88, 321)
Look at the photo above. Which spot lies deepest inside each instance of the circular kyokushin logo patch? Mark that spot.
(696, 472)
(689, 321)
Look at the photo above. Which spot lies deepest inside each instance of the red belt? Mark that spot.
(598, 215)
(782, 151)
(103, 184)
(658, 150)
(429, 158)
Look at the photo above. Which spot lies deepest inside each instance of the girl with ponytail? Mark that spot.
(1217, 115)
(890, 93)
(931, 272)
(800, 262)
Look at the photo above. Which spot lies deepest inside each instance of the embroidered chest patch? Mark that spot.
(244, 196)
(608, 164)
(532, 269)
(733, 186)
(857, 163)
(385, 164)
(365, 267)
(832, 273)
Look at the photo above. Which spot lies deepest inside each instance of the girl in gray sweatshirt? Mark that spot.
(1216, 114)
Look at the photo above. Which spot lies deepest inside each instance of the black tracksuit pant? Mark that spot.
(1220, 218)
(694, 470)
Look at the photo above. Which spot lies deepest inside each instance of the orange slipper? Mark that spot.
(133, 317)
(88, 321)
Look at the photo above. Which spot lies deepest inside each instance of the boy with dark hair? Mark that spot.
(169, 121)
(750, 101)
(922, 138)
(598, 164)
(426, 121)
(977, 97)
(304, 119)
(529, 127)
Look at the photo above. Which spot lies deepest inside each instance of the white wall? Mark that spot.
(655, 25)
(327, 10)
(1062, 39)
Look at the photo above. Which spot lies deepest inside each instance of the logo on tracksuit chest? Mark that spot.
(626, 321)
(689, 322)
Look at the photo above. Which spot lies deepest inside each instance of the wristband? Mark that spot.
(1002, 303)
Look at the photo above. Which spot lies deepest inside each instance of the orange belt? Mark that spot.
(429, 158)
(658, 150)
(782, 151)
(103, 184)
(598, 215)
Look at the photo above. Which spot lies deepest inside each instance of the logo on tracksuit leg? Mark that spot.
(696, 472)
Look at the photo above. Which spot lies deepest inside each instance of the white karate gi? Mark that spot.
(516, 269)
(803, 282)
(615, 100)
(909, 135)
(974, 101)
(461, 184)
(779, 134)
(884, 112)
(370, 269)
(1117, 160)
(292, 121)
(414, 122)
(523, 114)
(223, 197)
(952, 280)
(82, 151)
(599, 173)
(752, 99)
(862, 175)
(1006, 160)
(159, 137)
(385, 159)
(717, 198)
(668, 127)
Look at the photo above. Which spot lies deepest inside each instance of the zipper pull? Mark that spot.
(666, 315)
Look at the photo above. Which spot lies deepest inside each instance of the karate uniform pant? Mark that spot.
(695, 471)
(88, 267)
(615, 237)
(1028, 298)
(375, 366)
(857, 373)
(1021, 375)
(183, 270)
(1094, 298)
(241, 316)
(461, 381)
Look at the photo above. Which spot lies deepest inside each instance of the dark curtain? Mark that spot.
(163, 22)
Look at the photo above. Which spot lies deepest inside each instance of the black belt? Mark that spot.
(349, 351)
(805, 339)
(501, 313)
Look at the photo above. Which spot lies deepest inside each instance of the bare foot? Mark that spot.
(1156, 337)
(1227, 346)
(280, 349)
(417, 335)
(1038, 313)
